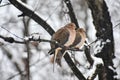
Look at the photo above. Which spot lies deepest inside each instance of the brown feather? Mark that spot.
(80, 38)
(65, 36)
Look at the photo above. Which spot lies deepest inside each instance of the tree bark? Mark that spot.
(103, 26)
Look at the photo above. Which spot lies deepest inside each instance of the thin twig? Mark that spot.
(53, 11)
(5, 4)
(29, 66)
(32, 14)
(11, 33)
(12, 40)
(99, 68)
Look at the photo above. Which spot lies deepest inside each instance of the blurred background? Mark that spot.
(13, 56)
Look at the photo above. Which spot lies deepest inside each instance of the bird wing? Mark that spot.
(61, 36)
(77, 39)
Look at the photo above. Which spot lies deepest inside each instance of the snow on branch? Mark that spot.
(88, 55)
(36, 38)
(96, 68)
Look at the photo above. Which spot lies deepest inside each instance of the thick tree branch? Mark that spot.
(71, 12)
(88, 55)
(102, 22)
(74, 19)
(75, 70)
(99, 69)
(28, 12)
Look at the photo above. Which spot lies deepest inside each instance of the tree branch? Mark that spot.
(11, 40)
(103, 24)
(30, 39)
(9, 55)
(30, 13)
(27, 60)
(75, 70)
(71, 13)
(98, 70)
(74, 20)
(88, 55)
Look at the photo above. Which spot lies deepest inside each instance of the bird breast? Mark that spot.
(80, 44)
(72, 36)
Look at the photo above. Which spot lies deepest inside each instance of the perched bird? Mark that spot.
(79, 39)
(64, 36)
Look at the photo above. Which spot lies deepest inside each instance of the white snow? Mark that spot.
(97, 61)
(43, 67)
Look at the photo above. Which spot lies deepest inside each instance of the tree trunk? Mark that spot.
(103, 26)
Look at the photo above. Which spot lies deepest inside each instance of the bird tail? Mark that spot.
(56, 58)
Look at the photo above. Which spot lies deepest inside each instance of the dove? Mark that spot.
(79, 39)
(64, 36)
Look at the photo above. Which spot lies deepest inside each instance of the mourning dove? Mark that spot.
(79, 39)
(64, 36)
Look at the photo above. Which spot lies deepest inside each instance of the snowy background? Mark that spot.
(53, 12)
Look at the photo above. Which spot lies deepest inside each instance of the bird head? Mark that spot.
(71, 26)
(81, 30)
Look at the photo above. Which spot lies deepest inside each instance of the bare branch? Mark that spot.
(73, 19)
(71, 13)
(99, 69)
(27, 60)
(28, 12)
(75, 70)
(9, 55)
(31, 65)
(89, 58)
(4, 4)
(11, 40)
